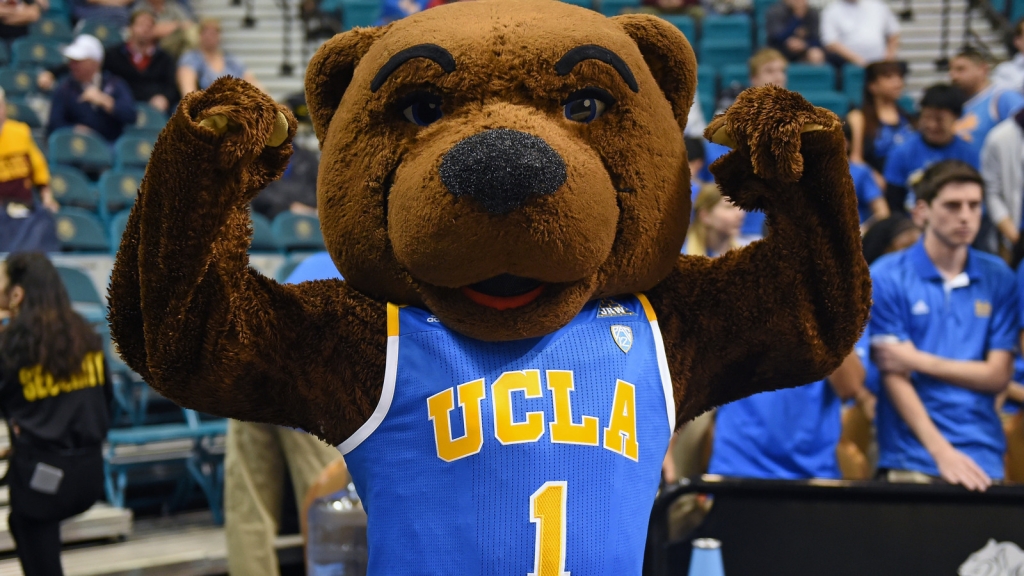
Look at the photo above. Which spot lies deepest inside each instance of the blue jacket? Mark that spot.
(67, 110)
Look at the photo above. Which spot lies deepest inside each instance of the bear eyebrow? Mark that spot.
(594, 52)
(439, 55)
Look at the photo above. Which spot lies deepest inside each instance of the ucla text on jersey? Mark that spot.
(533, 457)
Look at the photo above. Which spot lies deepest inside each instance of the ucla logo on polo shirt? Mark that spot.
(920, 308)
(982, 308)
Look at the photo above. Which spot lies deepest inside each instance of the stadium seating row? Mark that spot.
(82, 231)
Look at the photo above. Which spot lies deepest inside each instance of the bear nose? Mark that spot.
(502, 169)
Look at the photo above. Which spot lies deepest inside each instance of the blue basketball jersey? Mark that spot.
(539, 456)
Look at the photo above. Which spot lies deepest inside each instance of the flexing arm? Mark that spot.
(203, 328)
(954, 466)
(786, 310)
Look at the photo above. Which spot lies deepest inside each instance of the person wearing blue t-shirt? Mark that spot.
(936, 140)
(987, 104)
(318, 266)
(789, 434)
(944, 325)
(871, 204)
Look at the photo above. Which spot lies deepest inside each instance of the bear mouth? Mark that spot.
(504, 292)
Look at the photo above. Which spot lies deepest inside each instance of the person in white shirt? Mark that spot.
(860, 31)
(1010, 75)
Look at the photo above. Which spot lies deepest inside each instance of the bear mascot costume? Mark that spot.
(505, 189)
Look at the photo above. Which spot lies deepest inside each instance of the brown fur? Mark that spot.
(212, 334)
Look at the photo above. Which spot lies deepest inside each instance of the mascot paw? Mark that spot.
(248, 129)
(765, 125)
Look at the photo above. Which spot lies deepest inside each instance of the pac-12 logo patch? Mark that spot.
(623, 336)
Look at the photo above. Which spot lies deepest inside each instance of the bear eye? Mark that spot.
(587, 105)
(422, 108)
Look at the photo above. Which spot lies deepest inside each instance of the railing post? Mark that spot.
(942, 63)
(286, 43)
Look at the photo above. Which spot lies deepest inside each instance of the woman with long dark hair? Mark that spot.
(54, 393)
(879, 124)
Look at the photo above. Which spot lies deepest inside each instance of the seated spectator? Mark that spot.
(715, 228)
(175, 30)
(1002, 168)
(870, 201)
(88, 98)
(892, 234)
(987, 104)
(25, 225)
(859, 32)
(695, 154)
(936, 140)
(944, 326)
(1010, 75)
(880, 123)
(113, 12)
(149, 71)
(790, 434)
(793, 29)
(767, 66)
(197, 69)
(15, 18)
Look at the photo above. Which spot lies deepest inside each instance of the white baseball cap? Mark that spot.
(85, 47)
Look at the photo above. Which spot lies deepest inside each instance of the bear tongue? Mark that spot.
(504, 292)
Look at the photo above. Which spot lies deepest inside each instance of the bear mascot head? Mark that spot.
(505, 189)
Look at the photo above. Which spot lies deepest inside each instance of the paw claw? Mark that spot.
(280, 132)
(219, 123)
(722, 137)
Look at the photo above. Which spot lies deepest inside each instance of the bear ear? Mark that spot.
(668, 55)
(330, 72)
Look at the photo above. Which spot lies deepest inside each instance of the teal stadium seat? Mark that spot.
(1016, 10)
(707, 80)
(616, 7)
(735, 74)
(71, 188)
(80, 231)
(721, 51)
(853, 83)
(761, 21)
(733, 27)
(581, 3)
(263, 239)
(685, 24)
(18, 109)
(149, 118)
(118, 223)
(108, 35)
(5, 55)
(360, 13)
(82, 292)
(829, 99)
(17, 81)
(51, 28)
(132, 151)
(33, 51)
(808, 77)
(86, 151)
(297, 232)
(907, 104)
(204, 466)
(119, 188)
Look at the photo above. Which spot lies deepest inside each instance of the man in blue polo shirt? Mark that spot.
(789, 434)
(944, 327)
(936, 140)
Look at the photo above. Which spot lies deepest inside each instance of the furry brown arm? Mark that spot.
(202, 327)
(786, 310)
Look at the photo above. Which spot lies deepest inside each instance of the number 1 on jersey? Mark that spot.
(547, 510)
